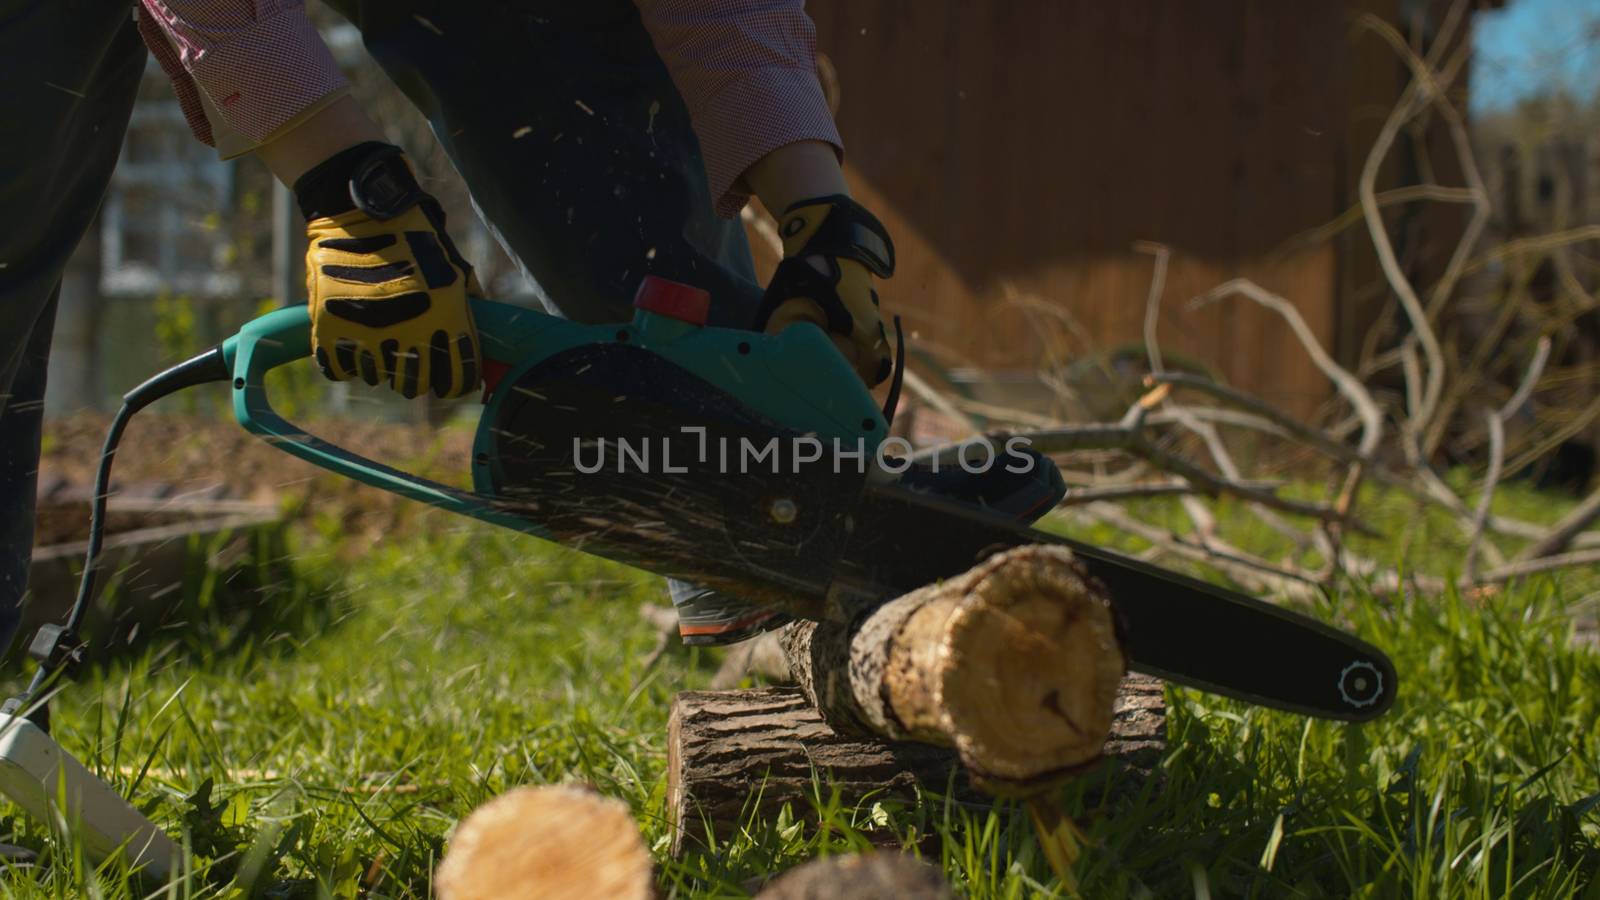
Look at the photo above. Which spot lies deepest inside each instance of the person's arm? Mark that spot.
(748, 73)
(245, 72)
(795, 172)
(340, 125)
(386, 286)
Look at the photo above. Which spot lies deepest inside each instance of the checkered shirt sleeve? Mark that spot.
(747, 70)
(260, 62)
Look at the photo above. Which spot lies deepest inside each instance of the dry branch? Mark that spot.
(1220, 456)
(1524, 568)
(1496, 421)
(1393, 197)
(1249, 571)
(1497, 448)
(1420, 401)
(1078, 496)
(1354, 392)
(1489, 345)
(1573, 426)
(1218, 416)
(1427, 89)
(1445, 364)
(1133, 439)
(1152, 303)
(926, 393)
(1345, 383)
(1289, 426)
(1529, 246)
(1564, 532)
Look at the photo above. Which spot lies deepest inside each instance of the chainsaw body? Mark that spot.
(588, 430)
(736, 461)
(744, 463)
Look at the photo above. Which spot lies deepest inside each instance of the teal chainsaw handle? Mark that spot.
(283, 336)
(278, 338)
(796, 377)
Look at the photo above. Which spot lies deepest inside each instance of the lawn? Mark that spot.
(324, 743)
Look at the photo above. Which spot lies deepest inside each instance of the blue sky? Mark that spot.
(1534, 46)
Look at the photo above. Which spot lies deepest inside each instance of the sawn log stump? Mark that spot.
(731, 754)
(552, 842)
(1008, 673)
(1015, 664)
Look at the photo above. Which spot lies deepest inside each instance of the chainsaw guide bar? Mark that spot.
(610, 440)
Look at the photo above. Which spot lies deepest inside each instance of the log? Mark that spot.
(1015, 664)
(860, 876)
(732, 755)
(554, 842)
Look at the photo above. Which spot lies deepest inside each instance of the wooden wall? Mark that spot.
(1020, 148)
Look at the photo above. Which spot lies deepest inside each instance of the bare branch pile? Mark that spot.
(1468, 369)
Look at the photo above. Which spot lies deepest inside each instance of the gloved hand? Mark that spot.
(832, 249)
(387, 287)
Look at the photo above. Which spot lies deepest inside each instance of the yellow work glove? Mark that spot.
(832, 249)
(387, 287)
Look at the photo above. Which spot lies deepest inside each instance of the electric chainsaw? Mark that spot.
(756, 465)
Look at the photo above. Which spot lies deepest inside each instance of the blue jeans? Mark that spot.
(70, 71)
(605, 183)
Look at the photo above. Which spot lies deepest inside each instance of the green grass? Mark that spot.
(460, 663)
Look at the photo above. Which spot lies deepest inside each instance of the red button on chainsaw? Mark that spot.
(493, 371)
(673, 299)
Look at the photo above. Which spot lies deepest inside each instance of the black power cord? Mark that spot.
(57, 647)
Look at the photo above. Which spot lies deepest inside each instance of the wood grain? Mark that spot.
(552, 842)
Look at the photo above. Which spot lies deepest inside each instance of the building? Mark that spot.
(1017, 151)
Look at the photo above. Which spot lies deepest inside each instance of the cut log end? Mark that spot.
(1014, 663)
(553, 842)
(1029, 667)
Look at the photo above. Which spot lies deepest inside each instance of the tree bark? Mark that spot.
(732, 755)
(555, 842)
(1015, 664)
